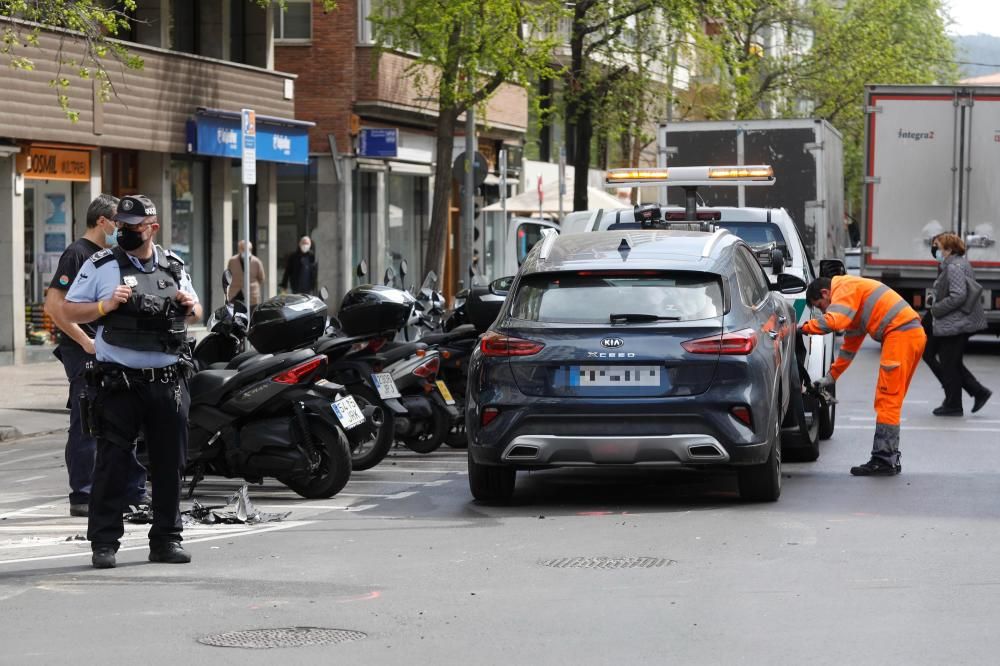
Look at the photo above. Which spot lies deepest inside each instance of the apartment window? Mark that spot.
(294, 23)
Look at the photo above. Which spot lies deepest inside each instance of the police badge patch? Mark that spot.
(130, 281)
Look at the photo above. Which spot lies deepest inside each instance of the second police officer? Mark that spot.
(142, 299)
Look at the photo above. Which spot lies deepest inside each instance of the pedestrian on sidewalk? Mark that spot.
(861, 306)
(957, 313)
(75, 348)
(301, 272)
(257, 276)
(142, 300)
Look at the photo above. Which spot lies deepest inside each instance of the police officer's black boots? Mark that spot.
(103, 557)
(169, 553)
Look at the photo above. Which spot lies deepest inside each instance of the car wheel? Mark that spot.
(801, 441)
(490, 483)
(827, 416)
(762, 483)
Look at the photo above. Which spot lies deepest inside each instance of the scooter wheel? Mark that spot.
(432, 439)
(370, 453)
(334, 468)
(458, 438)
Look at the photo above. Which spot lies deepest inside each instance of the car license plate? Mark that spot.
(614, 375)
(385, 385)
(348, 412)
(445, 393)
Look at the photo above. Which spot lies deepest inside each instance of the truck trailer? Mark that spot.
(932, 165)
(808, 162)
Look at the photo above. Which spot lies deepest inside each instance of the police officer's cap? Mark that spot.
(134, 208)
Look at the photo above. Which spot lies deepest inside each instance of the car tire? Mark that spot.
(801, 441)
(491, 484)
(762, 483)
(827, 417)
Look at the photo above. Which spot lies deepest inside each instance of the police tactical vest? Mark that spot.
(151, 320)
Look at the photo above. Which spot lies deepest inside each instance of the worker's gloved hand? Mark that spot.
(826, 383)
(823, 387)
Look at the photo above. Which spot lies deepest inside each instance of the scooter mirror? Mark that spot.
(389, 277)
(324, 293)
(404, 268)
(227, 279)
(362, 269)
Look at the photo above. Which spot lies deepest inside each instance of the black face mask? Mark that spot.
(129, 239)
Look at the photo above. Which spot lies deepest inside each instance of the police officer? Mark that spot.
(76, 347)
(141, 299)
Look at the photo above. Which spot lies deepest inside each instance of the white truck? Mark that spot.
(932, 165)
(807, 157)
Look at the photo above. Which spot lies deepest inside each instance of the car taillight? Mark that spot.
(489, 415)
(376, 344)
(497, 344)
(428, 368)
(302, 372)
(743, 415)
(734, 344)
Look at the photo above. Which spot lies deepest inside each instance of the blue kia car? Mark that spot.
(640, 346)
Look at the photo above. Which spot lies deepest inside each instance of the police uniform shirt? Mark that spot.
(69, 265)
(95, 284)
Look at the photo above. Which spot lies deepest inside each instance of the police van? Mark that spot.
(776, 243)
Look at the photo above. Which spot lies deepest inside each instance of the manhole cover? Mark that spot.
(606, 562)
(280, 638)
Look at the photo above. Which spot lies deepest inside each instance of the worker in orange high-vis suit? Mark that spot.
(860, 306)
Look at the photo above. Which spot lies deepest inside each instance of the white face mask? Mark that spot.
(304, 247)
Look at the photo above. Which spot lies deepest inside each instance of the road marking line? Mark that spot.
(421, 471)
(37, 455)
(410, 483)
(400, 495)
(11, 514)
(30, 478)
(353, 508)
(216, 537)
(5, 452)
(924, 428)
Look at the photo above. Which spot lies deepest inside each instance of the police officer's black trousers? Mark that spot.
(152, 408)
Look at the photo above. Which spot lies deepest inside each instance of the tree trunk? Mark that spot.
(437, 237)
(581, 162)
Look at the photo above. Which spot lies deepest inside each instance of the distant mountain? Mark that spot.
(977, 49)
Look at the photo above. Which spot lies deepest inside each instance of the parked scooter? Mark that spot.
(273, 416)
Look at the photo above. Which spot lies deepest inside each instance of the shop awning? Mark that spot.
(527, 202)
(216, 132)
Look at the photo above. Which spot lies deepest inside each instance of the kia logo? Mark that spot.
(612, 343)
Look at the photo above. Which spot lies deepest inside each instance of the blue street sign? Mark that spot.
(378, 142)
(276, 141)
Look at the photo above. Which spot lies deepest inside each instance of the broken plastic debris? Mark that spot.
(240, 510)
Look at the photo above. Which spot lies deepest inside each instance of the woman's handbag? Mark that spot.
(973, 294)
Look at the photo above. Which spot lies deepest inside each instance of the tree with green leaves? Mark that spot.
(93, 23)
(613, 79)
(464, 50)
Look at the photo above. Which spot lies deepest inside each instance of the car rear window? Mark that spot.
(755, 233)
(592, 297)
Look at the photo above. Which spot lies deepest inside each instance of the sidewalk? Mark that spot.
(33, 399)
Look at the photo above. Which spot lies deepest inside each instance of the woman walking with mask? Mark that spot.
(956, 314)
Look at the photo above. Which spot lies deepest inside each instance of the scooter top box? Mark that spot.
(482, 307)
(370, 309)
(286, 322)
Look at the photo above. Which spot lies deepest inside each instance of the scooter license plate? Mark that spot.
(348, 412)
(445, 393)
(385, 385)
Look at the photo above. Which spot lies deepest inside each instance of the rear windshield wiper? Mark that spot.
(640, 317)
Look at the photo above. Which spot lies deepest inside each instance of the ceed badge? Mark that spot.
(130, 281)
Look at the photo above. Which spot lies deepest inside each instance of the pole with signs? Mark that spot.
(562, 179)
(468, 201)
(249, 162)
(503, 193)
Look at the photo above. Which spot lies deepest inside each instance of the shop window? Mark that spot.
(120, 172)
(294, 22)
(189, 209)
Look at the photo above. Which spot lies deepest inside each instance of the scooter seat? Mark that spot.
(398, 351)
(459, 333)
(207, 385)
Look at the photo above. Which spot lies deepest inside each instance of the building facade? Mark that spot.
(170, 131)
(366, 192)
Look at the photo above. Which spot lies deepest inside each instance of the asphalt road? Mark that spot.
(841, 570)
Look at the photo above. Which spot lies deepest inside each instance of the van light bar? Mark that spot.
(762, 172)
(629, 175)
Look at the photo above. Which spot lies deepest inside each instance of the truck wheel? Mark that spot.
(827, 416)
(491, 484)
(757, 483)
